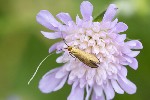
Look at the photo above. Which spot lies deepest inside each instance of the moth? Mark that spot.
(87, 58)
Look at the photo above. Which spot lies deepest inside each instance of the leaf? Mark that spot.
(99, 17)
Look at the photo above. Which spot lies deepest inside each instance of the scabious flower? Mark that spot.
(103, 39)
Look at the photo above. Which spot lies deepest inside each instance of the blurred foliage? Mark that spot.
(99, 17)
(22, 47)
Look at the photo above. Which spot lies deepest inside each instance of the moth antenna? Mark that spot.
(64, 39)
(38, 68)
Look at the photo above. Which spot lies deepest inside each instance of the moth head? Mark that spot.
(69, 48)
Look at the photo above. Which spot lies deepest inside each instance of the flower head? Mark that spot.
(101, 39)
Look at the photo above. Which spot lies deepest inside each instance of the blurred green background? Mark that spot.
(22, 46)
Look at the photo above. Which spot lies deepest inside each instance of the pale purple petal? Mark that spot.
(109, 91)
(134, 64)
(121, 27)
(53, 47)
(126, 85)
(51, 35)
(95, 97)
(89, 76)
(110, 13)
(64, 17)
(61, 84)
(70, 82)
(72, 75)
(135, 44)
(77, 93)
(86, 9)
(113, 35)
(98, 90)
(95, 49)
(113, 24)
(133, 53)
(57, 46)
(82, 82)
(48, 82)
(123, 71)
(121, 38)
(125, 49)
(61, 73)
(45, 18)
(88, 92)
(59, 59)
(122, 60)
(105, 25)
(128, 59)
(78, 21)
(59, 51)
(60, 47)
(116, 87)
(52, 71)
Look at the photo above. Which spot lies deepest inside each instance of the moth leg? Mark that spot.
(72, 55)
(98, 60)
